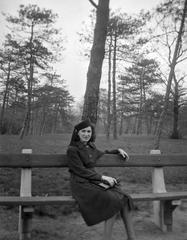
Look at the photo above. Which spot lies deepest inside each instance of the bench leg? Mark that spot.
(164, 214)
(159, 215)
(168, 214)
(25, 220)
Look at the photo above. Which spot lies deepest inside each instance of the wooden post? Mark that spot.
(158, 184)
(25, 213)
(169, 207)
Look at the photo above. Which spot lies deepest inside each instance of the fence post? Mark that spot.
(25, 213)
(158, 184)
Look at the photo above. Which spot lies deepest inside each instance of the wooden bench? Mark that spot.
(164, 202)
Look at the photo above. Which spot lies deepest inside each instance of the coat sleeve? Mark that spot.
(76, 166)
(100, 153)
(115, 151)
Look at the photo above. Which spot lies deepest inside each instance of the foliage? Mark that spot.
(142, 39)
(26, 67)
(52, 105)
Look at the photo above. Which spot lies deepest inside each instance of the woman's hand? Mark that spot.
(112, 181)
(123, 154)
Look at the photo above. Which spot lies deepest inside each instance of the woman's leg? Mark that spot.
(126, 215)
(109, 223)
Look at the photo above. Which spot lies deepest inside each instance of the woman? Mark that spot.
(96, 204)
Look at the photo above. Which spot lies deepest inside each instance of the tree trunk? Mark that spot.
(149, 124)
(13, 112)
(175, 132)
(171, 74)
(114, 90)
(121, 124)
(128, 126)
(56, 108)
(4, 100)
(96, 60)
(36, 117)
(22, 133)
(26, 125)
(139, 124)
(121, 113)
(134, 125)
(109, 92)
(43, 122)
(156, 125)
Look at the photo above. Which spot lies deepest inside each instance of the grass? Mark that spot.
(56, 181)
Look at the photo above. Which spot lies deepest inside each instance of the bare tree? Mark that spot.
(177, 94)
(170, 77)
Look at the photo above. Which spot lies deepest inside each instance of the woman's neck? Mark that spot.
(85, 142)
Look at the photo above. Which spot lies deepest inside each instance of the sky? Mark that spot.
(71, 15)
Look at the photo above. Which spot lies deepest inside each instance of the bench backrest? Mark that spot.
(108, 160)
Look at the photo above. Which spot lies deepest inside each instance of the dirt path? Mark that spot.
(72, 227)
(144, 227)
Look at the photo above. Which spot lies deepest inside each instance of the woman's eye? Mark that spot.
(85, 131)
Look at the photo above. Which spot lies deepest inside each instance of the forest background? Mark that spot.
(138, 56)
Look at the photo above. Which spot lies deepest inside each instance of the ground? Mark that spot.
(72, 226)
(54, 223)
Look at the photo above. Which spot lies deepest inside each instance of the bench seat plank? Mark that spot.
(26, 201)
(159, 196)
(63, 200)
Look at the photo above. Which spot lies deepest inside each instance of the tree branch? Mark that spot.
(93, 3)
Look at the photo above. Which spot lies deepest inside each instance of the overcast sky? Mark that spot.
(71, 15)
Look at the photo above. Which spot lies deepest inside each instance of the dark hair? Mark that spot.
(75, 137)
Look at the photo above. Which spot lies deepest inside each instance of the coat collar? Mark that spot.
(81, 145)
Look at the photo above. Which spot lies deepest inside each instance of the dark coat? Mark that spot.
(96, 204)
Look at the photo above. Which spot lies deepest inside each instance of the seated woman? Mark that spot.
(96, 204)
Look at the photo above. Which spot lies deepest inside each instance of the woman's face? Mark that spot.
(85, 134)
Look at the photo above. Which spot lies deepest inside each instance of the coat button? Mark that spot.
(90, 155)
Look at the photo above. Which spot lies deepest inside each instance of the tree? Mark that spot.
(96, 60)
(109, 89)
(120, 32)
(168, 5)
(123, 31)
(51, 108)
(177, 95)
(11, 80)
(38, 46)
(135, 87)
(165, 36)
